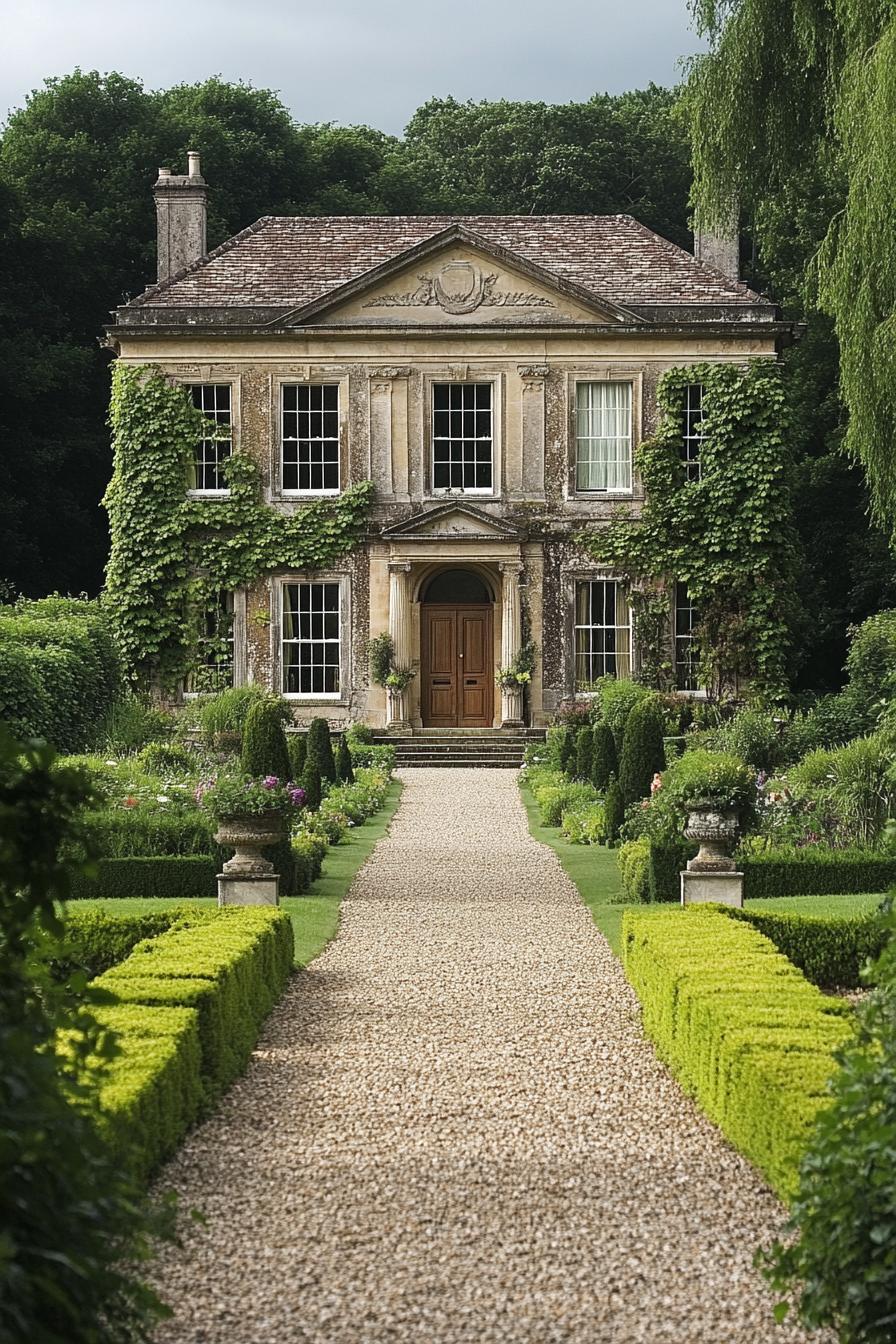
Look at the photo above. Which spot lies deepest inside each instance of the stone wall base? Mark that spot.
(234, 890)
(712, 888)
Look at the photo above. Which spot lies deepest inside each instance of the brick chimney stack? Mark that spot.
(720, 247)
(181, 210)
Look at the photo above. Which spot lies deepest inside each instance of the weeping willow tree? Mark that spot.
(793, 112)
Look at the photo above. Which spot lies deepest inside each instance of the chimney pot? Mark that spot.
(181, 210)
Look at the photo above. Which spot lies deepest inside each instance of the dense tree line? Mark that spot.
(77, 236)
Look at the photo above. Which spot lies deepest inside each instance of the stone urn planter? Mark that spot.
(397, 713)
(714, 828)
(249, 834)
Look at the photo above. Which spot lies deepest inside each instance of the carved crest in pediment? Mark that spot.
(460, 287)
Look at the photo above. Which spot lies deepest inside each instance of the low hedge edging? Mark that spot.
(95, 940)
(176, 876)
(213, 983)
(740, 1027)
(830, 950)
(808, 873)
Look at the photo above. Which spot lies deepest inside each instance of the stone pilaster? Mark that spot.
(511, 640)
(400, 630)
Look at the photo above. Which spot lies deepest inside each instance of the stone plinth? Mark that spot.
(248, 889)
(709, 888)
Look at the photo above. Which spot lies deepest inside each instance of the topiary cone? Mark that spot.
(311, 783)
(584, 745)
(604, 762)
(320, 749)
(642, 751)
(264, 750)
(298, 750)
(344, 771)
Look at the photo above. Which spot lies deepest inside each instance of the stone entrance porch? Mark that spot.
(404, 564)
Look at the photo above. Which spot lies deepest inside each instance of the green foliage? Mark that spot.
(118, 833)
(584, 746)
(381, 653)
(555, 799)
(221, 978)
(741, 1029)
(162, 876)
(840, 1264)
(344, 772)
(756, 736)
(320, 749)
(642, 751)
(308, 852)
(297, 744)
(871, 661)
(615, 810)
(224, 715)
(167, 758)
(132, 724)
(853, 788)
(815, 871)
(584, 824)
(75, 1231)
(264, 749)
(93, 940)
(312, 784)
(615, 701)
(59, 671)
(382, 757)
(728, 536)
(667, 861)
(830, 950)
(171, 553)
(716, 777)
(634, 868)
(568, 751)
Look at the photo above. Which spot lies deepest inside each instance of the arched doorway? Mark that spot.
(457, 682)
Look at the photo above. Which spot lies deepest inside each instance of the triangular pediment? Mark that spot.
(454, 520)
(457, 279)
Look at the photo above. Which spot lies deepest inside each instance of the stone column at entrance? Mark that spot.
(400, 630)
(511, 641)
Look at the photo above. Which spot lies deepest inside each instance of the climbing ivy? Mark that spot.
(728, 536)
(170, 554)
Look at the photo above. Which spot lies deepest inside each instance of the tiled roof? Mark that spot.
(290, 261)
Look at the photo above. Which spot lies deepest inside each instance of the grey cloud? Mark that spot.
(355, 60)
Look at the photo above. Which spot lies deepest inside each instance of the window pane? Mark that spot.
(686, 652)
(692, 434)
(311, 639)
(310, 437)
(213, 399)
(462, 436)
(602, 631)
(603, 436)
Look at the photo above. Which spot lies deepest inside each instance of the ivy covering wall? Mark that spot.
(170, 554)
(728, 536)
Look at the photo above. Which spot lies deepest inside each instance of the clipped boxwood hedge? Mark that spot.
(95, 940)
(816, 872)
(221, 976)
(811, 872)
(740, 1027)
(830, 950)
(179, 876)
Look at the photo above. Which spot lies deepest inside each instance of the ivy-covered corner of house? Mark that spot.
(726, 535)
(171, 553)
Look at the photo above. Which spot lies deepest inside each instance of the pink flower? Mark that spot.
(271, 782)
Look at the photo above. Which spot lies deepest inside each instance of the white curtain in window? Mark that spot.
(604, 436)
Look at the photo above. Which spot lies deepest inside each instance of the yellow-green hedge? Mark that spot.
(739, 1026)
(199, 995)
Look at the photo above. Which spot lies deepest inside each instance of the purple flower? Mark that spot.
(297, 797)
(271, 782)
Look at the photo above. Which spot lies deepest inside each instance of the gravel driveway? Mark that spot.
(453, 1129)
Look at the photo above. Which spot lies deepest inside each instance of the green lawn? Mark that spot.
(595, 872)
(593, 869)
(315, 916)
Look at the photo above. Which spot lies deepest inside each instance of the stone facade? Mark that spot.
(391, 311)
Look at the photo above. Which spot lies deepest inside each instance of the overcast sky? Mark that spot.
(371, 61)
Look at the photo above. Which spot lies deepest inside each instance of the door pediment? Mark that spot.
(457, 278)
(452, 521)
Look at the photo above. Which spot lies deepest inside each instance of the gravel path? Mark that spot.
(453, 1130)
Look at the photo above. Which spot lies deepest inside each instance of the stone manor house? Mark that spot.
(492, 375)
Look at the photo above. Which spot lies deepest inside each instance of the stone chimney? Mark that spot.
(181, 208)
(720, 247)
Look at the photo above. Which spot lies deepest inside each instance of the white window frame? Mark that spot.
(689, 639)
(308, 384)
(596, 492)
(626, 625)
(343, 641)
(458, 492)
(692, 440)
(221, 492)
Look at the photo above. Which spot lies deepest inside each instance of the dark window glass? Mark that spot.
(686, 655)
(462, 436)
(692, 431)
(213, 399)
(310, 434)
(311, 639)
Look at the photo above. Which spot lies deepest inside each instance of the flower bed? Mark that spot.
(740, 1027)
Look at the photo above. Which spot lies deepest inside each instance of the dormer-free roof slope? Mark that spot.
(289, 262)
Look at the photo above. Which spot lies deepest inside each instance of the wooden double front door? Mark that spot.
(456, 659)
